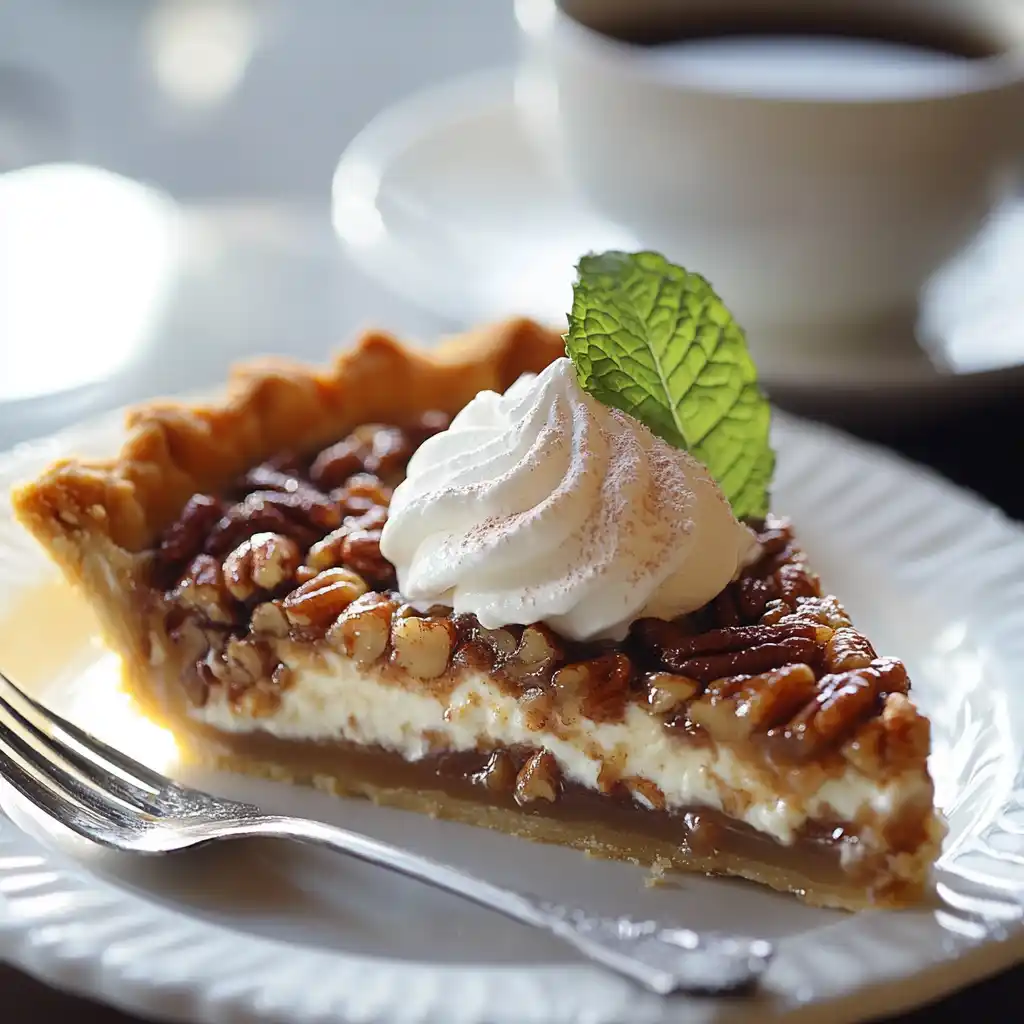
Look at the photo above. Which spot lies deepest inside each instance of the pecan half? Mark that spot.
(326, 553)
(898, 738)
(294, 515)
(748, 661)
(268, 477)
(733, 709)
(753, 595)
(263, 562)
(599, 687)
(537, 706)
(184, 539)
(360, 550)
(322, 599)
(844, 700)
(847, 649)
(538, 652)
(334, 465)
(796, 581)
(674, 648)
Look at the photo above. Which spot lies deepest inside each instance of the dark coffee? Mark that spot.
(973, 30)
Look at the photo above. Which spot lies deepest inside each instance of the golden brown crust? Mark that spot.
(174, 450)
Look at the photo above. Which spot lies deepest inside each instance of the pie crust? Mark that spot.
(832, 712)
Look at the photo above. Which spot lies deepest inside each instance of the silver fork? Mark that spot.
(113, 800)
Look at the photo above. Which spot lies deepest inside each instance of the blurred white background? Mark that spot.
(238, 111)
(226, 98)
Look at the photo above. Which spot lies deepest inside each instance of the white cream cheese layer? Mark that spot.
(341, 701)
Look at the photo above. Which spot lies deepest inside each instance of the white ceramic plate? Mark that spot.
(447, 198)
(279, 934)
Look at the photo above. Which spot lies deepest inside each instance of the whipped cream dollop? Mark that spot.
(545, 505)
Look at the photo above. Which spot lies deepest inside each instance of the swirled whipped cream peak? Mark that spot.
(545, 505)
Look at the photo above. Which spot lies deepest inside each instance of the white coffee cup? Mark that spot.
(817, 214)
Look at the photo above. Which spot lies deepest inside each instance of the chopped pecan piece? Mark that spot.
(775, 539)
(202, 590)
(482, 649)
(421, 646)
(501, 642)
(499, 774)
(247, 660)
(194, 637)
(667, 692)
(363, 630)
(537, 705)
(258, 701)
(645, 792)
(538, 779)
(599, 686)
(195, 684)
(269, 618)
(535, 656)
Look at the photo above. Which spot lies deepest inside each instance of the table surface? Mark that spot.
(248, 156)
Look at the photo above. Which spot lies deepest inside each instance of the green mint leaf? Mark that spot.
(655, 341)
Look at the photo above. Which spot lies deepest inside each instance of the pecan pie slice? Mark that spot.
(233, 554)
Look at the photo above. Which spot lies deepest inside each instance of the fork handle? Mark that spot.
(662, 960)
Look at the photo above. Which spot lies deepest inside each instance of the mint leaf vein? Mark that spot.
(655, 340)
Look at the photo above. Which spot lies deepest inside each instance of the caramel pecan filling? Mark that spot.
(292, 552)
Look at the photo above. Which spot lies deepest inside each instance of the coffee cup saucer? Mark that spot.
(446, 198)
